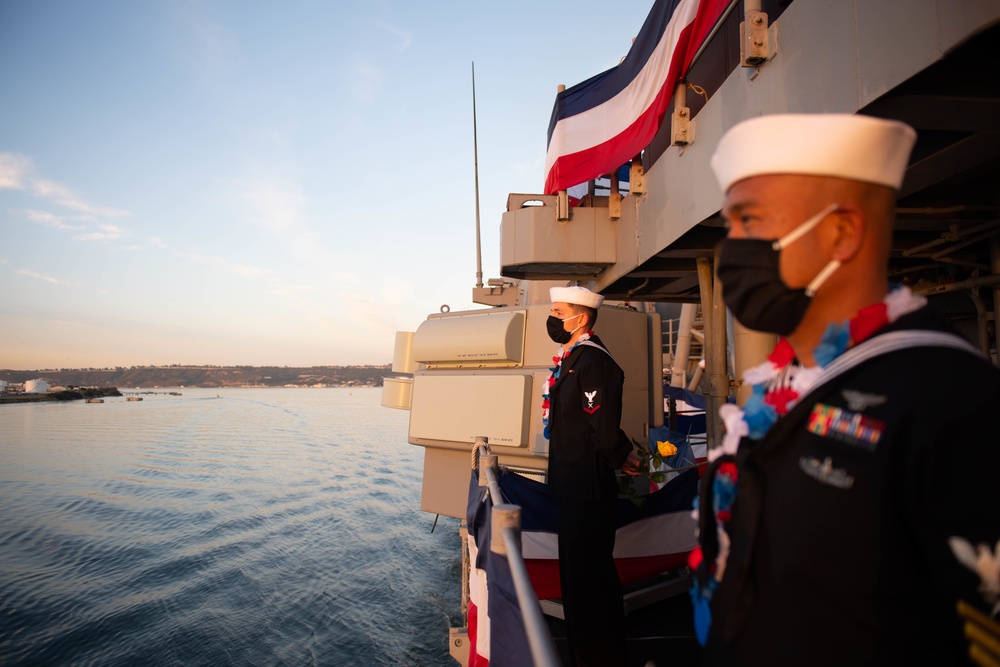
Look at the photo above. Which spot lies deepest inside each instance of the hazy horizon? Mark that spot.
(129, 366)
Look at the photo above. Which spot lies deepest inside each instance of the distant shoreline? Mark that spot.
(64, 395)
(100, 392)
(205, 376)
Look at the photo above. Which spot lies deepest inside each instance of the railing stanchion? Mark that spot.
(505, 540)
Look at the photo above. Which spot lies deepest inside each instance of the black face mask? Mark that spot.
(555, 328)
(753, 290)
(752, 287)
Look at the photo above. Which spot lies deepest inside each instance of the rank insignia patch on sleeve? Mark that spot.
(591, 400)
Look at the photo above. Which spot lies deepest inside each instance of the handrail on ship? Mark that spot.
(505, 540)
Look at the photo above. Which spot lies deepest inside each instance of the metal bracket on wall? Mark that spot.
(562, 206)
(758, 43)
(681, 127)
(637, 179)
(615, 206)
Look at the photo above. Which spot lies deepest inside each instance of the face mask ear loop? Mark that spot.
(804, 228)
(818, 281)
(567, 319)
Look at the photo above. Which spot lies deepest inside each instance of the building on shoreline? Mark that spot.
(36, 386)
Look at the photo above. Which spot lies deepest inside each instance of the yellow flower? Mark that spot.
(666, 449)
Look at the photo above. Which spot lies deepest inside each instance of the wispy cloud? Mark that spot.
(47, 219)
(13, 169)
(222, 263)
(107, 233)
(405, 38)
(43, 277)
(17, 173)
(344, 278)
(275, 203)
(71, 324)
(65, 197)
(294, 297)
(228, 265)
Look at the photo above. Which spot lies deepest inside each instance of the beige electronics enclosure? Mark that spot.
(482, 372)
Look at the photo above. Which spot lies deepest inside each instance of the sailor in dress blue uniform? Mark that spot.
(835, 521)
(586, 445)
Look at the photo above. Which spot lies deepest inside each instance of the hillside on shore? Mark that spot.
(205, 376)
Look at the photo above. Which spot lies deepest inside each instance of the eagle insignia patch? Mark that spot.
(591, 400)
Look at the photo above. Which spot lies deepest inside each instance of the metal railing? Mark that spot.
(505, 540)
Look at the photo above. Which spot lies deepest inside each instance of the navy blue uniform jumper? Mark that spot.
(586, 446)
(840, 546)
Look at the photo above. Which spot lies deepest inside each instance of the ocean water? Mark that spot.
(220, 527)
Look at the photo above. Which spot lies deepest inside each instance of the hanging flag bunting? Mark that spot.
(653, 537)
(602, 123)
(495, 624)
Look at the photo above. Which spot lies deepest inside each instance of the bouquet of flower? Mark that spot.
(650, 467)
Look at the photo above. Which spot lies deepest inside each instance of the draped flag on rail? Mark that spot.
(602, 123)
(495, 623)
(652, 537)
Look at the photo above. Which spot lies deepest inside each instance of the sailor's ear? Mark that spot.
(852, 225)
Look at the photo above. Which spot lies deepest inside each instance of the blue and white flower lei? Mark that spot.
(553, 376)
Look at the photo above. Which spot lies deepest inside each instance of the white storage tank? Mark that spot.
(36, 387)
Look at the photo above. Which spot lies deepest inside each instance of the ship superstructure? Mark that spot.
(643, 231)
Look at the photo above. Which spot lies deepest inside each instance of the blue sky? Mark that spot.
(244, 182)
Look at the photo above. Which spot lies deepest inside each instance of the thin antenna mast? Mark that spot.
(475, 153)
(497, 293)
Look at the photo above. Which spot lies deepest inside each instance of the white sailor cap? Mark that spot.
(858, 148)
(580, 296)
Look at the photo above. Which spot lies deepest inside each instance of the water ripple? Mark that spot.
(272, 527)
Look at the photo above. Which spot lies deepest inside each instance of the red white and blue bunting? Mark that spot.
(600, 124)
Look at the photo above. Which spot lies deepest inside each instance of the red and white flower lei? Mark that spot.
(554, 375)
(784, 382)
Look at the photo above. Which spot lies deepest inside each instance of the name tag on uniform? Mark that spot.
(851, 428)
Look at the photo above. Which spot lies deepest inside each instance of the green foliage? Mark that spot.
(649, 460)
